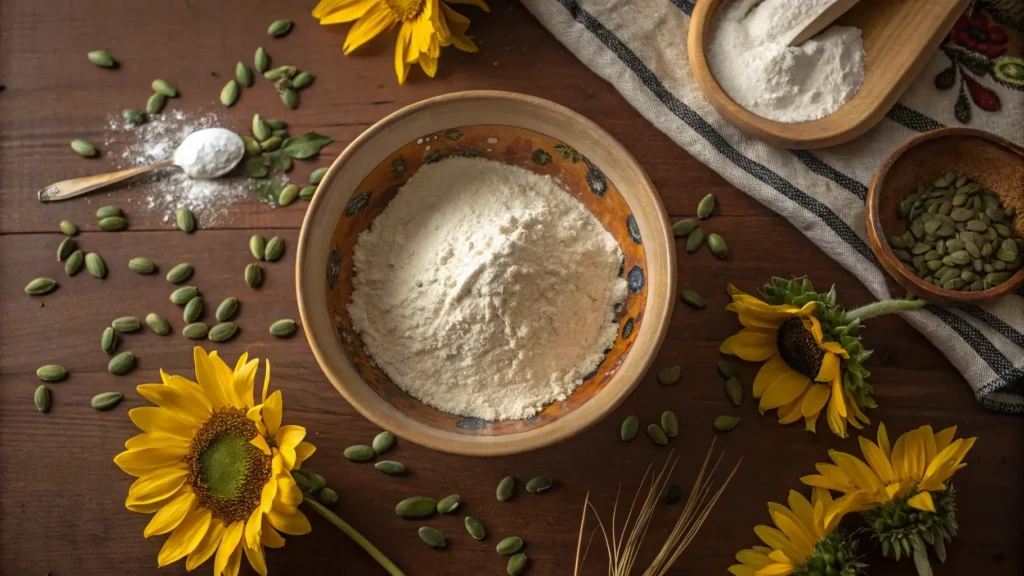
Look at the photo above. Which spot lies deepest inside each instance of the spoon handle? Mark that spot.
(812, 27)
(78, 186)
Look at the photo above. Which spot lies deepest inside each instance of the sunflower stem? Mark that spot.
(356, 536)
(880, 308)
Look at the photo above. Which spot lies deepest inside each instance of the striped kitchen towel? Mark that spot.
(640, 47)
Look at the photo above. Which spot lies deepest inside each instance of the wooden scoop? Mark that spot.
(812, 27)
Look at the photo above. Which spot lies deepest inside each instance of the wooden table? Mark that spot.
(61, 496)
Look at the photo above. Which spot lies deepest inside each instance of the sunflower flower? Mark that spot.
(214, 468)
(811, 352)
(805, 540)
(426, 26)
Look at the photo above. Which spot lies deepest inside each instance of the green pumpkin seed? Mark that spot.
(275, 249)
(74, 263)
(253, 275)
(328, 497)
(725, 423)
(383, 441)
(706, 207)
(133, 116)
(243, 75)
(67, 246)
(180, 273)
(505, 488)
(106, 400)
(182, 295)
(669, 423)
(193, 310)
(290, 98)
(84, 148)
(276, 124)
(509, 546)
(390, 467)
(539, 484)
(257, 247)
(288, 195)
(185, 219)
(279, 73)
(109, 211)
(164, 87)
(101, 58)
(141, 265)
(126, 324)
(109, 340)
(628, 428)
(51, 373)
(734, 390)
(717, 245)
(415, 507)
(945, 180)
(475, 528)
(195, 331)
(261, 61)
(123, 363)
(229, 93)
(307, 192)
(95, 265)
(40, 286)
(692, 299)
(227, 309)
(448, 504)
(222, 332)
(271, 144)
(41, 398)
(432, 537)
(158, 324)
(279, 28)
(695, 240)
(726, 369)
(113, 224)
(252, 147)
(302, 80)
(317, 175)
(359, 453)
(516, 564)
(68, 228)
(670, 375)
(155, 103)
(657, 435)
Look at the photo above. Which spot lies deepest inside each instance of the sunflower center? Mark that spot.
(798, 348)
(225, 471)
(405, 10)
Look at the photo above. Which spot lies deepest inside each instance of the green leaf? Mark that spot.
(278, 159)
(940, 548)
(256, 168)
(306, 145)
(924, 568)
(268, 190)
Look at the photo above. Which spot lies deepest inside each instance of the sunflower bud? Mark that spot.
(903, 531)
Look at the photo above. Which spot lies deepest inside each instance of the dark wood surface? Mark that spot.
(61, 496)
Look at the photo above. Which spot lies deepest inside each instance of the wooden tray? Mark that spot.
(899, 38)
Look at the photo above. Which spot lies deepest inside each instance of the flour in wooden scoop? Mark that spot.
(486, 290)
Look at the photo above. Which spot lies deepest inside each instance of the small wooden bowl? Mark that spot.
(516, 129)
(996, 163)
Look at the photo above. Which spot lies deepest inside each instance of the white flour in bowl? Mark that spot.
(486, 290)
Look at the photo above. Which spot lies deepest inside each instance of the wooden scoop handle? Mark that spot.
(78, 186)
(822, 21)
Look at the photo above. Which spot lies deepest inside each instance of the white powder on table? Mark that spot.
(486, 290)
(749, 56)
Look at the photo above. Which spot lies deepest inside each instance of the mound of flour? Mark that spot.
(486, 290)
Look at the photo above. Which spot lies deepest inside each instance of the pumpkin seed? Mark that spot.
(84, 148)
(657, 435)
(253, 275)
(275, 249)
(302, 80)
(276, 124)
(695, 240)
(158, 324)
(261, 61)
(628, 428)
(505, 488)
(195, 331)
(229, 93)
(257, 246)
(222, 332)
(475, 528)
(706, 207)
(279, 73)
(509, 545)
(109, 340)
(717, 246)
(670, 375)
(164, 87)
(73, 265)
(106, 400)
(51, 373)
(432, 537)
(271, 144)
(95, 265)
(539, 484)
(101, 58)
(193, 310)
(123, 363)
(415, 507)
(317, 175)
(141, 265)
(155, 103)
(328, 497)
(448, 504)
(113, 224)
(252, 148)
(279, 28)
(734, 390)
(307, 192)
(109, 211)
(182, 295)
(290, 98)
(68, 228)
(180, 273)
(726, 369)
(288, 195)
(67, 246)
(126, 324)
(243, 75)
(725, 423)
(359, 453)
(692, 299)
(260, 130)
(669, 423)
(516, 564)
(41, 398)
(382, 442)
(390, 467)
(133, 116)
(185, 219)
(227, 309)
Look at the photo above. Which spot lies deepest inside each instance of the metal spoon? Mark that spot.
(78, 186)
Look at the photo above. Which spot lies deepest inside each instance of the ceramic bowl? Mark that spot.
(515, 129)
(994, 162)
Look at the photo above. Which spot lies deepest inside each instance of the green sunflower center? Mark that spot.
(798, 348)
(226, 472)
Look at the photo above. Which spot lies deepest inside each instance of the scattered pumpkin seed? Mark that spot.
(155, 103)
(113, 224)
(253, 275)
(734, 390)
(271, 144)
(505, 488)
(109, 211)
(307, 192)
(276, 124)
(229, 93)
(539, 484)
(101, 58)
(317, 175)
(243, 75)
(290, 98)
(717, 246)
(133, 116)
(261, 61)
(95, 265)
(692, 299)
(126, 324)
(359, 453)
(516, 564)
(475, 528)
(279, 28)
(180, 273)
(195, 331)
(222, 332)
(41, 398)
(726, 369)
(415, 507)
(252, 148)
(51, 373)
(288, 195)
(41, 286)
(275, 249)
(106, 400)
(432, 537)
(122, 363)
(109, 340)
(185, 219)
(657, 435)
(383, 442)
(302, 80)
(84, 148)
(706, 206)
(670, 375)
(67, 246)
(448, 504)
(725, 423)
(68, 228)
(509, 546)
(628, 428)
(390, 467)
(141, 265)
(193, 310)
(260, 130)
(164, 87)
(182, 295)
(328, 497)
(74, 263)
(695, 240)
(669, 423)
(279, 73)
(158, 324)
(227, 309)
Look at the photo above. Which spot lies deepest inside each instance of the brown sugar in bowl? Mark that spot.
(992, 161)
(515, 129)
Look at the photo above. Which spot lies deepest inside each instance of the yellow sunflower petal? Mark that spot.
(753, 558)
(207, 546)
(814, 400)
(162, 421)
(401, 46)
(260, 442)
(428, 64)
(943, 438)
(829, 476)
(914, 459)
(741, 570)
(836, 421)
(804, 513)
(811, 422)
(147, 440)
(207, 376)
(856, 470)
(266, 382)
(272, 412)
(256, 415)
(780, 558)
(228, 545)
(829, 370)
(289, 491)
(302, 452)
(947, 461)
(769, 372)
(791, 412)
(270, 537)
(251, 534)
(185, 537)
(375, 20)
(851, 404)
(876, 459)
(835, 348)
(922, 501)
(883, 441)
(786, 388)
(790, 525)
(150, 458)
(776, 570)
(244, 379)
(173, 512)
(178, 399)
(234, 563)
(256, 559)
(751, 345)
(328, 7)
(226, 380)
(295, 524)
(156, 485)
(289, 435)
